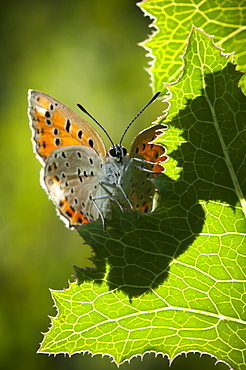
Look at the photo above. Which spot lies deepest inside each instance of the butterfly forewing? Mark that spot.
(144, 147)
(54, 125)
(143, 193)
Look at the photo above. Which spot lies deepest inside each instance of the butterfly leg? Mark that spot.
(104, 185)
(118, 186)
(99, 210)
(124, 194)
(142, 161)
(109, 195)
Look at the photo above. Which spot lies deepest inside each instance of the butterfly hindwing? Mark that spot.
(141, 192)
(54, 125)
(71, 178)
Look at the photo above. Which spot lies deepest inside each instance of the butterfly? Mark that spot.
(80, 176)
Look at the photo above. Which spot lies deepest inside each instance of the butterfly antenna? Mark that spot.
(134, 119)
(85, 111)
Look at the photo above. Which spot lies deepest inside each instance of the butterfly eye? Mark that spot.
(118, 151)
(124, 151)
(112, 152)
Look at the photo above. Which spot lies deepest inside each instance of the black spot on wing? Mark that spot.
(69, 214)
(68, 125)
(57, 141)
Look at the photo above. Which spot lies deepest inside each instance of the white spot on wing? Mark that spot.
(41, 110)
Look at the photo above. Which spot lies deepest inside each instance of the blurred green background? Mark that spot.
(76, 51)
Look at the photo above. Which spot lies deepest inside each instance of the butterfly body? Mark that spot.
(79, 175)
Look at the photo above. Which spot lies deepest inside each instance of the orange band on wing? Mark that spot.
(75, 218)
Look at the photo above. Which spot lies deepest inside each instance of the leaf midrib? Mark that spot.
(230, 167)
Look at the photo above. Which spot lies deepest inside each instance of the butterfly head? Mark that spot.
(117, 152)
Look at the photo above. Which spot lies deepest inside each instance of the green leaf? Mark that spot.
(210, 108)
(173, 281)
(174, 20)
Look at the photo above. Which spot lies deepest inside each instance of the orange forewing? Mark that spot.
(54, 125)
(144, 146)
